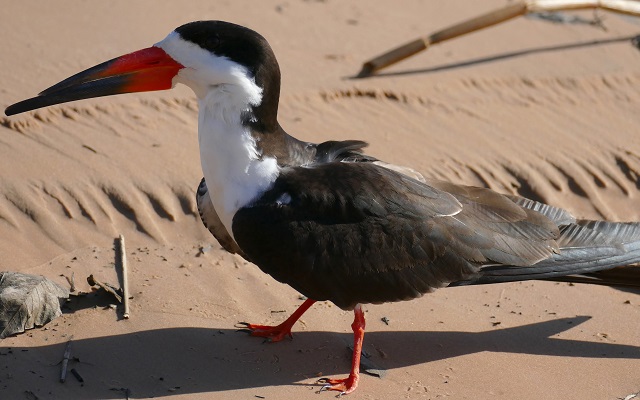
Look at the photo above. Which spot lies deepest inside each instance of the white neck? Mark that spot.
(233, 169)
(235, 173)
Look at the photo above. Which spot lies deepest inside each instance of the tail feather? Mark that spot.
(587, 248)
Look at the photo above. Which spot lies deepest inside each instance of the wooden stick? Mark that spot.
(93, 282)
(65, 361)
(420, 44)
(393, 56)
(71, 281)
(125, 278)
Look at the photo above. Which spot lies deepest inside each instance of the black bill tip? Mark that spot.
(98, 88)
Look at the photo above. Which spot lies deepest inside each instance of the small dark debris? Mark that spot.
(301, 297)
(385, 320)
(627, 302)
(563, 18)
(260, 397)
(77, 375)
(202, 250)
(90, 148)
(496, 323)
(278, 311)
(30, 395)
(125, 391)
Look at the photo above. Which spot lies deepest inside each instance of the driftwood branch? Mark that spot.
(125, 277)
(520, 8)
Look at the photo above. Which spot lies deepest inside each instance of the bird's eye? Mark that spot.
(212, 42)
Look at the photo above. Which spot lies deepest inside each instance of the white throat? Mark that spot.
(235, 172)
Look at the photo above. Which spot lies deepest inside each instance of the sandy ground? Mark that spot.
(549, 111)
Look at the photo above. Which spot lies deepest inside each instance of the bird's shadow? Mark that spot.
(201, 360)
(499, 57)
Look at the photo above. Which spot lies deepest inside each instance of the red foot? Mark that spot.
(344, 386)
(270, 333)
(274, 334)
(350, 383)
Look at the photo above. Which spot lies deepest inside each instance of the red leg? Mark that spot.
(277, 333)
(349, 384)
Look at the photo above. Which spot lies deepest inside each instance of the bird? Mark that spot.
(331, 221)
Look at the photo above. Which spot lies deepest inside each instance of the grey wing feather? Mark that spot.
(557, 215)
(585, 247)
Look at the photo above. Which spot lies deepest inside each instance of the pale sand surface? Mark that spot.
(548, 111)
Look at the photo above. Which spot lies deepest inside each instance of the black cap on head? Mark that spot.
(249, 49)
(237, 43)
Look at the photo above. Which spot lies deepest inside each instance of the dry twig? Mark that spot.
(71, 281)
(94, 282)
(65, 361)
(77, 375)
(125, 278)
(508, 12)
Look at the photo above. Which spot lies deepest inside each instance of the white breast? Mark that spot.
(235, 173)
